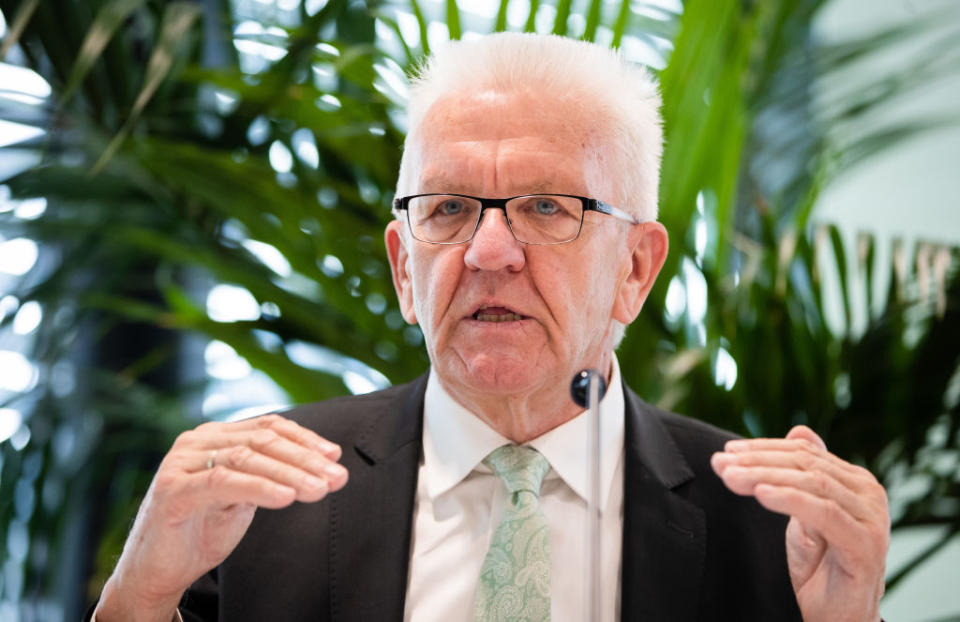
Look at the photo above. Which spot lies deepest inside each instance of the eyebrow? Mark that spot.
(446, 183)
(443, 183)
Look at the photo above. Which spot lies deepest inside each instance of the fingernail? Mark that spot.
(732, 470)
(735, 446)
(315, 482)
(334, 470)
(720, 460)
(282, 491)
(327, 447)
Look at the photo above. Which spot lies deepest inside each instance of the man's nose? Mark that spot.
(493, 246)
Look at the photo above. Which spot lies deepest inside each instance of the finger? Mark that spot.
(803, 432)
(327, 467)
(799, 461)
(799, 458)
(205, 434)
(744, 480)
(300, 434)
(223, 487)
(871, 499)
(270, 442)
(741, 445)
(825, 517)
(807, 546)
(309, 486)
(238, 448)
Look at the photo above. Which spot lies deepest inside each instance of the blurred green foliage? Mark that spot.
(156, 168)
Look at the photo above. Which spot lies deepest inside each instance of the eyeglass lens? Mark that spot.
(534, 219)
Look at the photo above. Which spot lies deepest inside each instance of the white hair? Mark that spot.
(619, 99)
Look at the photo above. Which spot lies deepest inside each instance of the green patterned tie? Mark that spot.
(515, 579)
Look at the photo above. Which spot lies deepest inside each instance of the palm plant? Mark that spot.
(175, 160)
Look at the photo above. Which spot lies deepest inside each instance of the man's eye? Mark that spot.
(546, 207)
(450, 208)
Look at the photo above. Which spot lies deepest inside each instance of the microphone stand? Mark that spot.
(587, 389)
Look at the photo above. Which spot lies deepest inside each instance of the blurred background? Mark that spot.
(192, 197)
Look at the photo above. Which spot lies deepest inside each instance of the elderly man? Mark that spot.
(524, 242)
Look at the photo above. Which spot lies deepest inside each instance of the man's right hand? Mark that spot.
(201, 502)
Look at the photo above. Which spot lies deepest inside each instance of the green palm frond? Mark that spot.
(169, 165)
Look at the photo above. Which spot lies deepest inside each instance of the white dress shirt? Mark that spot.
(459, 503)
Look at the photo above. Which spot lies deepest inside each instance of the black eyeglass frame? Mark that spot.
(401, 204)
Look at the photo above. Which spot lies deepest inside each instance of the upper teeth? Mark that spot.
(490, 317)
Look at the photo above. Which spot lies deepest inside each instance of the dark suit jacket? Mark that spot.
(691, 549)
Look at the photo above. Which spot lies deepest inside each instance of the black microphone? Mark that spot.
(581, 384)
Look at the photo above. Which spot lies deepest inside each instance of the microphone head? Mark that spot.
(580, 385)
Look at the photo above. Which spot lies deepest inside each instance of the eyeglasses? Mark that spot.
(532, 218)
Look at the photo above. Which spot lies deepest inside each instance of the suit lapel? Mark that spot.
(371, 519)
(664, 535)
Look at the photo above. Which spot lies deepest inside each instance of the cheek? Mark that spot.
(571, 296)
(581, 300)
(435, 280)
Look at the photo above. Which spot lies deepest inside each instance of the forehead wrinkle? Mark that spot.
(495, 172)
(443, 182)
(458, 132)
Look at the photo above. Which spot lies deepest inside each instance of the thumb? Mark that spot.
(803, 432)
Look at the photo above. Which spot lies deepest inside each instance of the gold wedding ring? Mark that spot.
(211, 460)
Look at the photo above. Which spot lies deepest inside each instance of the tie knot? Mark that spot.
(520, 467)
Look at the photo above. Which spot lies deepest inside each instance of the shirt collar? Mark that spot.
(455, 441)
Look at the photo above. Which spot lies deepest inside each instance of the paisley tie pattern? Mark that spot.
(514, 581)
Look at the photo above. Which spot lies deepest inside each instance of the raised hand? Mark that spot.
(201, 502)
(839, 528)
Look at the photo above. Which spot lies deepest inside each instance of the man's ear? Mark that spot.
(399, 258)
(648, 243)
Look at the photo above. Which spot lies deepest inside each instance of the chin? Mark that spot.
(496, 375)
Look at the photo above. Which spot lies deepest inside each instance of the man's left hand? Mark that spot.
(839, 528)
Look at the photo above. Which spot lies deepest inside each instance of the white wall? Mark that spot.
(911, 192)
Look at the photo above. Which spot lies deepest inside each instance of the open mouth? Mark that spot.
(496, 314)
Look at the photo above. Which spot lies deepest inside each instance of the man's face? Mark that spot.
(466, 297)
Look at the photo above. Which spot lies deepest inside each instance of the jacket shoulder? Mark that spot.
(745, 543)
(693, 436)
(348, 417)
(697, 441)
